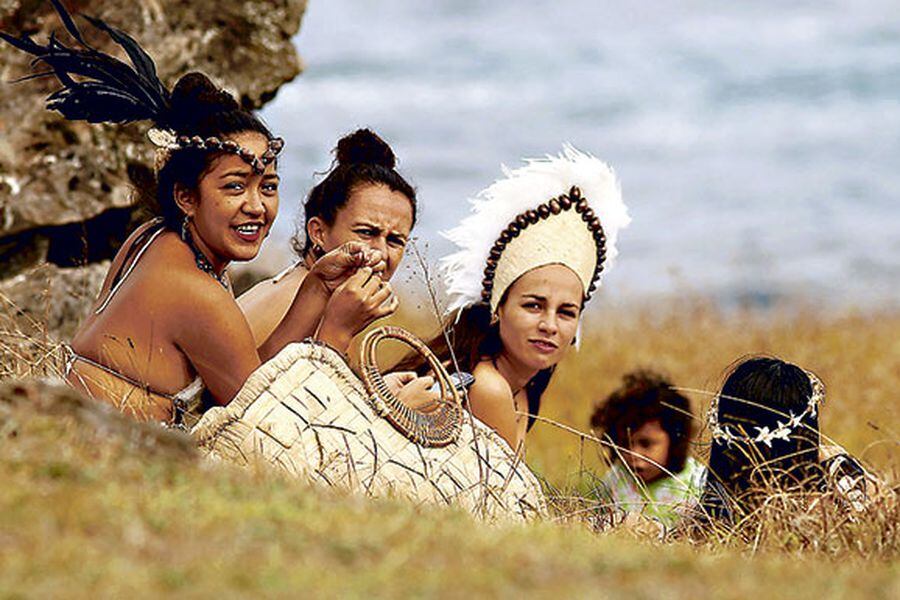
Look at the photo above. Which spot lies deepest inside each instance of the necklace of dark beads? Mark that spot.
(202, 262)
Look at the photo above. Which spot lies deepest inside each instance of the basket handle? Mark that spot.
(436, 428)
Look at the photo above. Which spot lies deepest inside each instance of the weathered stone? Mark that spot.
(54, 172)
(48, 302)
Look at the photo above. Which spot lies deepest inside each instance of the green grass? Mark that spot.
(94, 505)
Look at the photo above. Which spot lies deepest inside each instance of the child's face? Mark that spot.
(649, 442)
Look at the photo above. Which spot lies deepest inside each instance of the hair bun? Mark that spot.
(364, 146)
(195, 98)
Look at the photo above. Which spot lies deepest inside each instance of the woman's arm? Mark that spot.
(210, 330)
(492, 402)
(301, 319)
(358, 302)
(343, 292)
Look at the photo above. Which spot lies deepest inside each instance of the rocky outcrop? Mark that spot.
(67, 414)
(55, 173)
(70, 191)
(50, 299)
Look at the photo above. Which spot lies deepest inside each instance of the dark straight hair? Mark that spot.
(760, 392)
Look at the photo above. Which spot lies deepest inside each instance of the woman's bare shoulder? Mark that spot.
(170, 275)
(489, 383)
(491, 399)
(125, 250)
(283, 286)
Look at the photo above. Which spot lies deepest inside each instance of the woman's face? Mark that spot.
(234, 208)
(375, 215)
(539, 317)
(649, 448)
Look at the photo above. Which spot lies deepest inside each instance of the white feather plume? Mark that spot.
(522, 189)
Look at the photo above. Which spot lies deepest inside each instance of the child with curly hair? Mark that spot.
(649, 427)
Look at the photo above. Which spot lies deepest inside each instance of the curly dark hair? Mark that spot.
(646, 396)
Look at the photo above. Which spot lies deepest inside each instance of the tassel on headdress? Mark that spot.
(108, 89)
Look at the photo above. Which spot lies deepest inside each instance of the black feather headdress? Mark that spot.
(98, 87)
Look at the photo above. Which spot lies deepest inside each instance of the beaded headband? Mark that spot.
(167, 142)
(723, 434)
(564, 209)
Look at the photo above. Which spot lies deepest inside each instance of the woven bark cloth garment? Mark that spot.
(305, 412)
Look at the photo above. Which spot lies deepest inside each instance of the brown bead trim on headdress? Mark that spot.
(572, 200)
(168, 142)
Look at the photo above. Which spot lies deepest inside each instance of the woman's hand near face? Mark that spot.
(308, 306)
(361, 299)
(333, 269)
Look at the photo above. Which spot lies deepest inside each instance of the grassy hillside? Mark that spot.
(91, 503)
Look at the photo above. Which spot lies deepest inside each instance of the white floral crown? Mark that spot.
(723, 434)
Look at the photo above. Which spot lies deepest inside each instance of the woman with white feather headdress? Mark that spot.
(529, 257)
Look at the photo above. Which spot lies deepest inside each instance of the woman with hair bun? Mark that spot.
(362, 199)
(166, 323)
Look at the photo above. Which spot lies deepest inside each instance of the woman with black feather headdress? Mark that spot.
(166, 322)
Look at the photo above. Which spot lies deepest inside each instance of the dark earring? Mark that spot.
(318, 251)
(184, 227)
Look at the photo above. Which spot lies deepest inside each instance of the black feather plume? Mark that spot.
(98, 87)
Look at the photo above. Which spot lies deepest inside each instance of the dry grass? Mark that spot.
(694, 343)
(88, 507)
(92, 505)
(856, 355)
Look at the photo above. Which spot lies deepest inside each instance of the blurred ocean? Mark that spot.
(758, 143)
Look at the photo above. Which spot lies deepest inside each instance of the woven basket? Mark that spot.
(306, 413)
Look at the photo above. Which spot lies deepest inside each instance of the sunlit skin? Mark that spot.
(538, 321)
(648, 451)
(233, 197)
(170, 321)
(375, 216)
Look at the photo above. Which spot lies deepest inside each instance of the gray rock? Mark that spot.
(55, 172)
(47, 303)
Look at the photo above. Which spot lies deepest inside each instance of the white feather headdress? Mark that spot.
(565, 209)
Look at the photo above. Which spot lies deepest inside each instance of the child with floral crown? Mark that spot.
(764, 425)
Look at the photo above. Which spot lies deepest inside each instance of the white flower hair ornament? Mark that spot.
(565, 209)
(723, 434)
